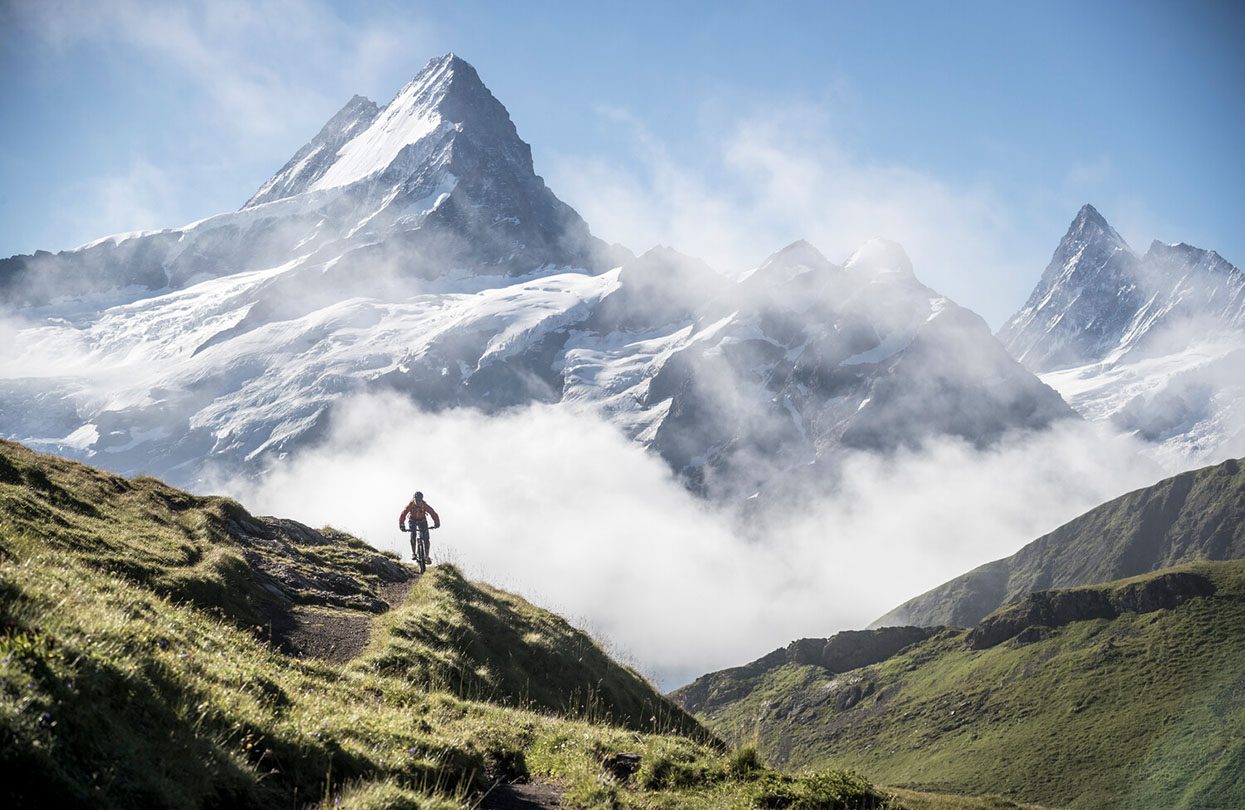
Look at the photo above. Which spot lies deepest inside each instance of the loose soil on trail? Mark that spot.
(340, 635)
(336, 634)
(533, 796)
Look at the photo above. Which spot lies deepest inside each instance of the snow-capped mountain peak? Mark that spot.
(436, 184)
(1153, 342)
(1083, 301)
(880, 257)
(362, 140)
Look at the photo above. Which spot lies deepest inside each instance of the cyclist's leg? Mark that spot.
(425, 541)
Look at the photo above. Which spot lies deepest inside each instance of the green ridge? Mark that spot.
(1143, 710)
(139, 666)
(1197, 515)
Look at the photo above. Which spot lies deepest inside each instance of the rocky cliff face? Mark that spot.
(1048, 609)
(843, 652)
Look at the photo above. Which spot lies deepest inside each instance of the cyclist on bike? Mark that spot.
(419, 511)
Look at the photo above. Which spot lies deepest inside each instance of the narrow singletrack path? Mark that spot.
(337, 634)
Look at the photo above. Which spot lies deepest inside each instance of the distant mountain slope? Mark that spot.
(1194, 515)
(412, 248)
(1127, 695)
(434, 183)
(136, 671)
(1098, 298)
(1154, 343)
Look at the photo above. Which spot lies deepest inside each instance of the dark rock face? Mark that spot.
(1058, 608)
(852, 649)
(1085, 298)
(285, 556)
(843, 652)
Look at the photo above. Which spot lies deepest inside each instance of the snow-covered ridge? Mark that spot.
(436, 183)
(214, 376)
(1154, 343)
(411, 116)
(413, 249)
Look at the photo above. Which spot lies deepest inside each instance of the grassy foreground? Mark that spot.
(1140, 710)
(138, 668)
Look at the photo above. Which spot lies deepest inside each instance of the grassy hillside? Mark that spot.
(1071, 698)
(142, 664)
(1198, 515)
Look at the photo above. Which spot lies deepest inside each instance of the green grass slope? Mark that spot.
(1197, 515)
(1124, 695)
(141, 664)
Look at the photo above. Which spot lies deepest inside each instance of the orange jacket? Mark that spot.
(419, 513)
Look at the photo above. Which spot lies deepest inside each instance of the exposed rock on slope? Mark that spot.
(1047, 609)
(842, 652)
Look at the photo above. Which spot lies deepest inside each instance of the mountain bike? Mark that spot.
(420, 546)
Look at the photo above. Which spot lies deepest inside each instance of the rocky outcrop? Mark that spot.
(842, 652)
(853, 649)
(1059, 608)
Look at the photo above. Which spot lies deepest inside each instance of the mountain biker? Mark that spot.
(419, 511)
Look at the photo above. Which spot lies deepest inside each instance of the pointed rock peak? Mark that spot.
(880, 257)
(1165, 249)
(663, 256)
(311, 162)
(1091, 226)
(1089, 213)
(358, 112)
(663, 265)
(451, 86)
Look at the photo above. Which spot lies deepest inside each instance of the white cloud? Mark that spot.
(777, 175)
(263, 65)
(562, 509)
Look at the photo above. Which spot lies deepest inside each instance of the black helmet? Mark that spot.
(419, 496)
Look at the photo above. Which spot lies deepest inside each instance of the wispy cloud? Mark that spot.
(780, 174)
(261, 64)
(560, 507)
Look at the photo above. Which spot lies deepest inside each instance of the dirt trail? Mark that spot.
(336, 634)
(340, 635)
(533, 796)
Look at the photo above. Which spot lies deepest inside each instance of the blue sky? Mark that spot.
(968, 132)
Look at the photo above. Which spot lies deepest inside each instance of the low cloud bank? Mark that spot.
(562, 509)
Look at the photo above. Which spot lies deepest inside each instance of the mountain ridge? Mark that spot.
(1199, 514)
(446, 271)
(1123, 694)
(1152, 344)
